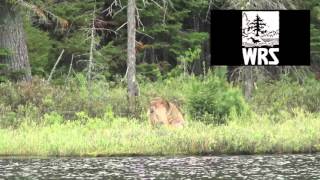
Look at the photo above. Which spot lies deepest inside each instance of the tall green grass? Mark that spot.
(297, 133)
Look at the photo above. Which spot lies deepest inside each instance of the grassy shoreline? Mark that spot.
(298, 133)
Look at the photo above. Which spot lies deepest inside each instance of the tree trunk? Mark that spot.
(131, 63)
(230, 73)
(248, 82)
(12, 39)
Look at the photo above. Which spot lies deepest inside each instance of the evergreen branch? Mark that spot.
(44, 14)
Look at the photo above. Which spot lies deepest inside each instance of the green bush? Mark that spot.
(286, 95)
(212, 100)
(53, 119)
(14, 117)
(148, 72)
(46, 98)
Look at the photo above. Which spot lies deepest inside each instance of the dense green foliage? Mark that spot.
(286, 95)
(209, 99)
(212, 101)
(165, 31)
(39, 47)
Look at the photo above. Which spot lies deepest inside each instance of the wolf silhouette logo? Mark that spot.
(260, 37)
(254, 40)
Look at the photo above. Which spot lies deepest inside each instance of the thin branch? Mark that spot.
(164, 8)
(138, 19)
(157, 4)
(165, 12)
(70, 68)
(110, 8)
(144, 34)
(116, 13)
(101, 29)
(209, 9)
(55, 66)
(121, 26)
(125, 75)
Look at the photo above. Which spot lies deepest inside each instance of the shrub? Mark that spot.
(53, 119)
(148, 72)
(286, 95)
(13, 118)
(45, 98)
(213, 99)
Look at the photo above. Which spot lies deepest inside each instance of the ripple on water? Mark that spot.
(202, 167)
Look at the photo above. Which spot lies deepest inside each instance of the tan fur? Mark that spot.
(164, 112)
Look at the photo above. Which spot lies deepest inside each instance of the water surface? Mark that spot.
(195, 167)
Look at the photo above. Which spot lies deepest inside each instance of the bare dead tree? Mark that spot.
(131, 52)
(92, 48)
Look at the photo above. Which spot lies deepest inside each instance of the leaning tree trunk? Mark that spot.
(131, 62)
(12, 39)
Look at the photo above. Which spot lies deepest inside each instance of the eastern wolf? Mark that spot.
(164, 112)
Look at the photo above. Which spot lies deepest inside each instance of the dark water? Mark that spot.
(207, 167)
